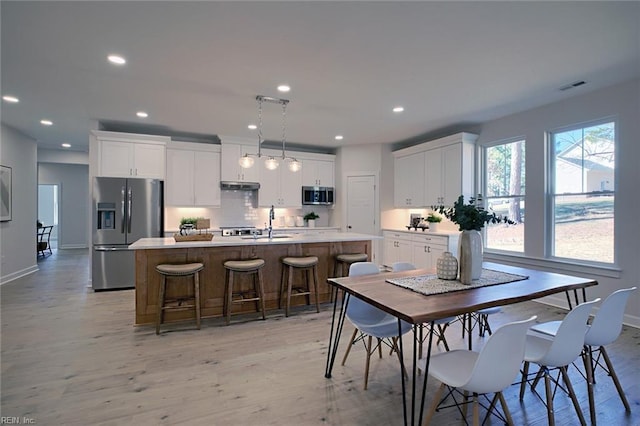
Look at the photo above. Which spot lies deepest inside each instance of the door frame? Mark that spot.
(376, 244)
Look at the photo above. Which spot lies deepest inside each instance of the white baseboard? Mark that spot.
(18, 274)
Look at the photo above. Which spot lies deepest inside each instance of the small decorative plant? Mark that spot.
(310, 216)
(470, 216)
(434, 218)
(189, 221)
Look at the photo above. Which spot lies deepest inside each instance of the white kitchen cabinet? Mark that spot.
(448, 174)
(318, 173)
(427, 249)
(408, 180)
(121, 158)
(435, 172)
(397, 247)
(193, 175)
(231, 170)
(280, 187)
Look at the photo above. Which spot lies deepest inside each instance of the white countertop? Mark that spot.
(420, 232)
(217, 241)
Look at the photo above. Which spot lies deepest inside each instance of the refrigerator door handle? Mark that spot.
(122, 211)
(129, 210)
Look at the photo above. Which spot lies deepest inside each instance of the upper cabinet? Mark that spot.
(409, 171)
(130, 155)
(280, 187)
(232, 150)
(193, 175)
(318, 172)
(435, 172)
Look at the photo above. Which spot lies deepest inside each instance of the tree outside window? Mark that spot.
(504, 178)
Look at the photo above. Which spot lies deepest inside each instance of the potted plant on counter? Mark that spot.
(434, 219)
(470, 218)
(310, 218)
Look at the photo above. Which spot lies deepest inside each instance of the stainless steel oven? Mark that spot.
(317, 195)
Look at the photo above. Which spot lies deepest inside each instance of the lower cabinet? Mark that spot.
(421, 249)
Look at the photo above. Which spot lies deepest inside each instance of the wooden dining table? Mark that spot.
(416, 309)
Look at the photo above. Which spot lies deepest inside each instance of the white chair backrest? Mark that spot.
(402, 266)
(499, 360)
(607, 324)
(569, 339)
(359, 311)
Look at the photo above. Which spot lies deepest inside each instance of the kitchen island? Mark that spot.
(150, 252)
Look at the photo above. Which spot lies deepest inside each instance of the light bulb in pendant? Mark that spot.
(295, 165)
(245, 162)
(271, 163)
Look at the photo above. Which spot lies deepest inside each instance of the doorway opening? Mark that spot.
(48, 205)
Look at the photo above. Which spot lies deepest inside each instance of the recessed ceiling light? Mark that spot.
(284, 88)
(11, 99)
(398, 109)
(46, 122)
(339, 137)
(66, 145)
(252, 127)
(116, 59)
(142, 114)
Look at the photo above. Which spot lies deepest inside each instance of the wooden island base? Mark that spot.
(212, 277)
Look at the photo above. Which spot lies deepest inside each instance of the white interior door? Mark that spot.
(361, 205)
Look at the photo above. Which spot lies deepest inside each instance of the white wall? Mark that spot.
(620, 102)
(18, 236)
(73, 186)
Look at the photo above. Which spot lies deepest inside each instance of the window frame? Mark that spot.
(482, 179)
(550, 195)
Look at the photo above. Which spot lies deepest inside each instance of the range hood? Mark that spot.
(234, 186)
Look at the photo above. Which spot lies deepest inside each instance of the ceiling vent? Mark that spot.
(572, 85)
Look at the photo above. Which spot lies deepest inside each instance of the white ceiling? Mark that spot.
(196, 67)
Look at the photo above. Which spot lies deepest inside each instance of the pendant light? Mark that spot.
(271, 163)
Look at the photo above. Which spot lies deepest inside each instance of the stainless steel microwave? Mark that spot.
(317, 195)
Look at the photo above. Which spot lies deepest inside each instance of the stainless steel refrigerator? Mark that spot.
(124, 210)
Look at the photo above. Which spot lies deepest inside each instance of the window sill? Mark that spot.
(554, 265)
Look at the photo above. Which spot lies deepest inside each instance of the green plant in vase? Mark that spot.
(433, 219)
(470, 218)
(310, 218)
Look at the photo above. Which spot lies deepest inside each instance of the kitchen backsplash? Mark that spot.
(238, 208)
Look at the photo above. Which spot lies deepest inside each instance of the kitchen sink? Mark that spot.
(265, 237)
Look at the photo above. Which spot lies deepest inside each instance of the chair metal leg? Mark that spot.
(614, 376)
(572, 394)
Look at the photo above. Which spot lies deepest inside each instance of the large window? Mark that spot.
(582, 193)
(504, 181)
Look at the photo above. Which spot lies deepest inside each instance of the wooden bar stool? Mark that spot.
(250, 266)
(164, 304)
(342, 261)
(306, 264)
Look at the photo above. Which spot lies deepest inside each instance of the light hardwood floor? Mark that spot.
(73, 357)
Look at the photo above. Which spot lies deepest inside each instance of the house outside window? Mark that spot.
(582, 193)
(504, 191)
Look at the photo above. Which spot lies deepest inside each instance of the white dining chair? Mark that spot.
(371, 322)
(441, 324)
(488, 371)
(605, 328)
(557, 353)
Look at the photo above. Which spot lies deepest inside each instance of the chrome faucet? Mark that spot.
(272, 216)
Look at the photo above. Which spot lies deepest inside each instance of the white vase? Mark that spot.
(447, 266)
(311, 223)
(470, 253)
(433, 226)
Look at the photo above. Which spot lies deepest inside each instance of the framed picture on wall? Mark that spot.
(5, 193)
